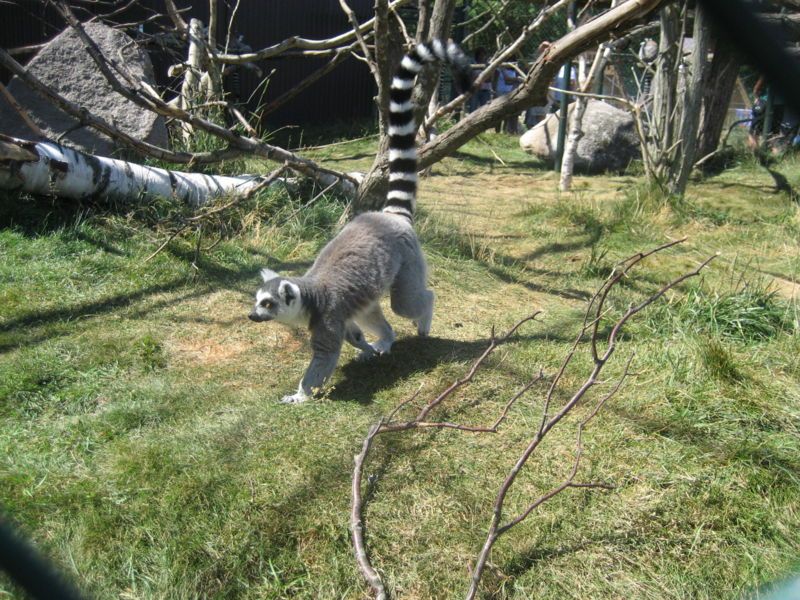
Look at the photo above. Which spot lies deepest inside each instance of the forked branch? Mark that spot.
(389, 424)
(596, 312)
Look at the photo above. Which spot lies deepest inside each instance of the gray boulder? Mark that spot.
(66, 66)
(609, 142)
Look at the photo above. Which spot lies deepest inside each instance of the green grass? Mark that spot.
(142, 447)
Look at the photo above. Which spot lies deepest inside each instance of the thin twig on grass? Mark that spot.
(594, 314)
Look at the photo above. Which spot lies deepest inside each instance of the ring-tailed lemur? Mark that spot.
(377, 252)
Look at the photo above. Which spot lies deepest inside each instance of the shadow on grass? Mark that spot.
(32, 327)
(588, 241)
(359, 381)
(491, 161)
(35, 216)
(39, 326)
(461, 246)
(746, 186)
(565, 293)
(782, 184)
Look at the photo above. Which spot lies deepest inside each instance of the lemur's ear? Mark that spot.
(268, 274)
(288, 291)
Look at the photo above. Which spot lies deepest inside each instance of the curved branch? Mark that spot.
(388, 425)
(369, 573)
(298, 43)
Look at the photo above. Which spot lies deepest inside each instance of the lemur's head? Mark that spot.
(278, 299)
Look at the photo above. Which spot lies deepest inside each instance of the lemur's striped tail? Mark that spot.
(402, 196)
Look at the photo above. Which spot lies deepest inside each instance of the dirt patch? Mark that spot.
(787, 288)
(206, 351)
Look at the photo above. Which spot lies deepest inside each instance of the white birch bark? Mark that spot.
(194, 65)
(585, 80)
(51, 169)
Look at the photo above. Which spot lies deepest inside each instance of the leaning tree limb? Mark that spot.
(22, 112)
(48, 168)
(533, 90)
(339, 56)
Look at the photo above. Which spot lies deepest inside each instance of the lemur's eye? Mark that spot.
(267, 303)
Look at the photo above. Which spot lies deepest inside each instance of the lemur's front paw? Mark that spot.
(295, 398)
(366, 355)
(382, 346)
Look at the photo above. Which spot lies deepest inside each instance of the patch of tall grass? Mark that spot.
(750, 312)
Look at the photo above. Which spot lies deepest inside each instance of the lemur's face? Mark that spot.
(278, 299)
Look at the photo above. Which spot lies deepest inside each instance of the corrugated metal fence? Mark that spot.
(344, 94)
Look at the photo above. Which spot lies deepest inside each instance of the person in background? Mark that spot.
(484, 93)
(507, 80)
(785, 121)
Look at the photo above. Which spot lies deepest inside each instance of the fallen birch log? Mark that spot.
(50, 169)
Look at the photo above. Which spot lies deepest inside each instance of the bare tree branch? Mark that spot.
(370, 60)
(594, 313)
(20, 50)
(388, 425)
(175, 16)
(369, 573)
(298, 43)
(23, 114)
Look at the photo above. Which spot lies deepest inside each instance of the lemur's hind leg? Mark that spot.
(416, 305)
(355, 337)
(411, 297)
(373, 321)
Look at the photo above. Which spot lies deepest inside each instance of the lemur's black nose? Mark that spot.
(253, 316)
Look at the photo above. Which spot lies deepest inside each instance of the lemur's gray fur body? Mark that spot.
(377, 252)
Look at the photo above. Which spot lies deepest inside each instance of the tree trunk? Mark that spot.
(372, 191)
(586, 81)
(389, 45)
(51, 169)
(571, 147)
(692, 102)
(665, 83)
(722, 77)
(194, 65)
(428, 80)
